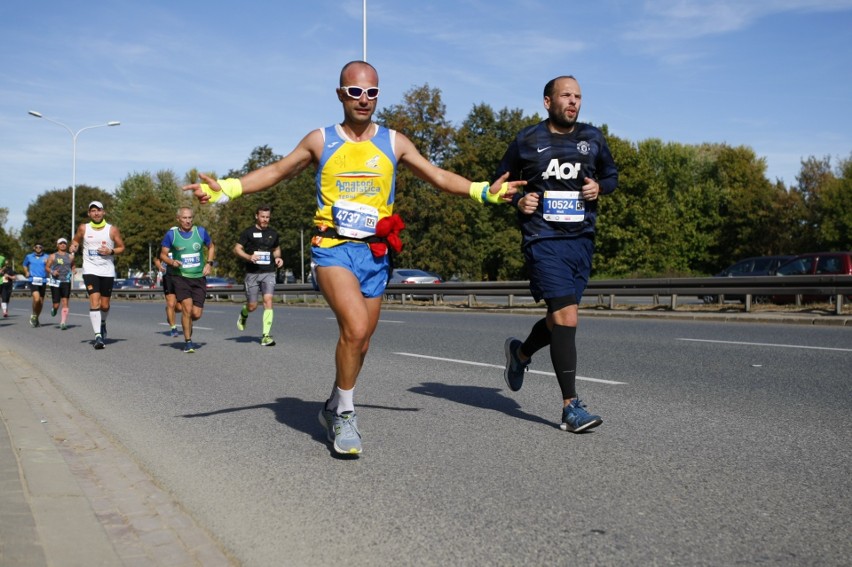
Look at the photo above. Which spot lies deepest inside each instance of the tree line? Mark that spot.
(679, 210)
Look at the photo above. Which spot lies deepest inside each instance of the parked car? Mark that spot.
(815, 263)
(221, 288)
(755, 266)
(285, 277)
(133, 283)
(413, 276)
(214, 281)
(21, 284)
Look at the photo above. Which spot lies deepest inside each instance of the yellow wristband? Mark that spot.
(231, 189)
(480, 192)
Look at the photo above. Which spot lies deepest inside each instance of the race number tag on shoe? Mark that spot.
(564, 206)
(354, 220)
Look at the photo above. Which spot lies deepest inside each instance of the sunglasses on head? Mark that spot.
(356, 92)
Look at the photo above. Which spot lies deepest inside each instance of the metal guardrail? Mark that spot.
(838, 289)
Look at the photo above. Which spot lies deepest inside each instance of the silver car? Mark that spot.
(413, 276)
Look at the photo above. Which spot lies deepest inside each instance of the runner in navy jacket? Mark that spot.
(567, 166)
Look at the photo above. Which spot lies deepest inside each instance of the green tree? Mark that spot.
(48, 218)
(832, 208)
(750, 205)
(145, 208)
(656, 215)
(422, 118)
(10, 245)
(491, 237)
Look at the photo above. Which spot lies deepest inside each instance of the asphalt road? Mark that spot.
(722, 444)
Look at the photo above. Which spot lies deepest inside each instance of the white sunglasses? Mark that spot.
(356, 92)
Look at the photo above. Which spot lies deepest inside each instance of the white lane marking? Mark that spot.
(500, 366)
(766, 344)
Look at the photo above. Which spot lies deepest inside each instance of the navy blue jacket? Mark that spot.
(559, 162)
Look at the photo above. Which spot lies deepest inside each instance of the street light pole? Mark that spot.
(73, 158)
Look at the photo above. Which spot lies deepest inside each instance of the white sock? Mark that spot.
(345, 400)
(4, 307)
(95, 318)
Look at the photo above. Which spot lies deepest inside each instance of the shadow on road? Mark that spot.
(297, 414)
(478, 397)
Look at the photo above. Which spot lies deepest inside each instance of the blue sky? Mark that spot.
(200, 84)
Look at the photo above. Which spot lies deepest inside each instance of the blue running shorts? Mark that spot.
(559, 267)
(356, 257)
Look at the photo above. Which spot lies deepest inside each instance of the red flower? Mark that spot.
(388, 228)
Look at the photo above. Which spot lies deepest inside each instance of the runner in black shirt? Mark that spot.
(258, 247)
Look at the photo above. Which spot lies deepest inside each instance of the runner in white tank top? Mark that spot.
(101, 243)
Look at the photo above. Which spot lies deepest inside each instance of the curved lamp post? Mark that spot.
(74, 158)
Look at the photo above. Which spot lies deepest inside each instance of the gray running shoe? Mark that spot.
(347, 438)
(99, 342)
(63, 326)
(33, 321)
(514, 371)
(325, 419)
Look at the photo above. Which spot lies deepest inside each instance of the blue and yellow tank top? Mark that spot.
(355, 184)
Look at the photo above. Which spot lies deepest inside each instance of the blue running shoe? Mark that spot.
(189, 347)
(347, 438)
(326, 420)
(514, 371)
(575, 418)
(174, 332)
(99, 342)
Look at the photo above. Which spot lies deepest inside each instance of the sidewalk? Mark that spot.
(71, 496)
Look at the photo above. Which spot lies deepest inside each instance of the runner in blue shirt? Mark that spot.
(35, 271)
